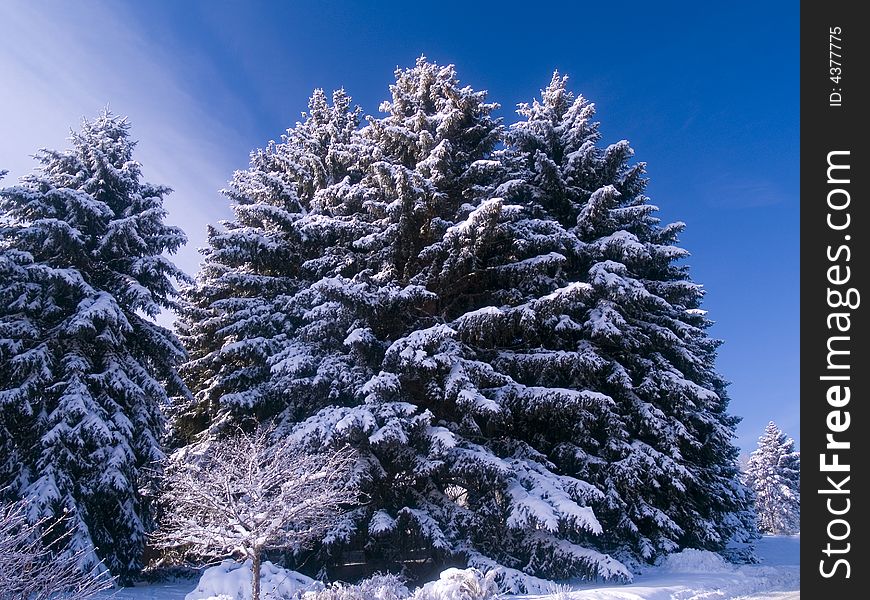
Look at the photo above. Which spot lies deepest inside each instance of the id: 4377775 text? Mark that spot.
(835, 65)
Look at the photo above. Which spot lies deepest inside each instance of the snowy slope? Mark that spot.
(690, 575)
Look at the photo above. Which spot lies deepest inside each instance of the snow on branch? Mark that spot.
(38, 560)
(251, 492)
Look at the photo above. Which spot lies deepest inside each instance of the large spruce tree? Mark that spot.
(85, 370)
(493, 318)
(669, 473)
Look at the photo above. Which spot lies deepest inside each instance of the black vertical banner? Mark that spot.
(835, 355)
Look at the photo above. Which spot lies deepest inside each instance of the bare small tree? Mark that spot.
(32, 568)
(248, 493)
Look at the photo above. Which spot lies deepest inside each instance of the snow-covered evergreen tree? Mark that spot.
(295, 215)
(501, 333)
(85, 370)
(667, 467)
(773, 473)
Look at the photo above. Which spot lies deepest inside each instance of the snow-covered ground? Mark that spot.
(690, 575)
(694, 575)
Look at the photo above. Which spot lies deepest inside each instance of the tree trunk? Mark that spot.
(255, 575)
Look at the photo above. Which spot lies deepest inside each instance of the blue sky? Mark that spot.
(707, 93)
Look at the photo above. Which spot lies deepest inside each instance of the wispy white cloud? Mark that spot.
(738, 192)
(60, 62)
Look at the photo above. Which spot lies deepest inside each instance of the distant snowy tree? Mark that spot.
(85, 370)
(773, 473)
(494, 320)
(36, 562)
(248, 493)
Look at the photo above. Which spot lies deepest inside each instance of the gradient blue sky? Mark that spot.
(707, 93)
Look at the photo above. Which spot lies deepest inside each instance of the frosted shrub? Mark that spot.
(378, 587)
(460, 584)
(453, 584)
(559, 591)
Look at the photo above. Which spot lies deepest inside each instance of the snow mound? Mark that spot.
(231, 580)
(459, 584)
(691, 560)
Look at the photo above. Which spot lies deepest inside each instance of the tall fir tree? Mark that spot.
(501, 333)
(773, 473)
(668, 467)
(86, 372)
